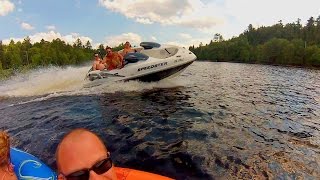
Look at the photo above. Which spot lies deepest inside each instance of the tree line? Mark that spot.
(25, 55)
(281, 44)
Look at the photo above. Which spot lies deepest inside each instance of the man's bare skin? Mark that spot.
(97, 63)
(113, 60)
(81, 149)
(127, 49)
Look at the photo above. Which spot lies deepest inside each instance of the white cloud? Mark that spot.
(189, 42)
(228, 17)
(51, 35)
(187, 13)
(51, 27)
(26, 26)
(175, 43)
(185, 40)
(185, 35)
(133, 38)
(240, 14)
(144, 21)
(19, 10)
(6, 7)
(271, 11)
(202, 23)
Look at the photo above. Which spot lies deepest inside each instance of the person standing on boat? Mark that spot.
(127, 49)
(6, 168)
(113, 60)
(97, 63)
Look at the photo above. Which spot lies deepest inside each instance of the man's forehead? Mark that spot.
(79, 139)
(77, 146)
(80, 136)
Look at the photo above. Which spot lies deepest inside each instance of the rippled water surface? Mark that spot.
(215, 121)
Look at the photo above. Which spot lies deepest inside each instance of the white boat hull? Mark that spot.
(152, 69)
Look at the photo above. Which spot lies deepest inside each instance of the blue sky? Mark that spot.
(110, 22)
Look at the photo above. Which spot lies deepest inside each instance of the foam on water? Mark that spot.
(44, 81)
(56, 81)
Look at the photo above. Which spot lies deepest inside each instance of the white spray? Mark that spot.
(57, 81)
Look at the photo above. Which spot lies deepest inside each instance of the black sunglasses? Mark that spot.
(99, 168)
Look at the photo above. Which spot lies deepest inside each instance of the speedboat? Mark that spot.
(150, 62)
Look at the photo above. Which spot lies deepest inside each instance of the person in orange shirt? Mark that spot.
(113, 60)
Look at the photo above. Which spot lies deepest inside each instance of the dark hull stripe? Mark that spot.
(157, 76)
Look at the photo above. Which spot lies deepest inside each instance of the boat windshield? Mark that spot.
(134, 57)
(160, 53)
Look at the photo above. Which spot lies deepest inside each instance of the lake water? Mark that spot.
(215, 121)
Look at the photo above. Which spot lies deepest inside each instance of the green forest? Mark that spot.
(23, 56)
(281, 44)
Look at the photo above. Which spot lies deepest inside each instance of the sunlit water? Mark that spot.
(215, 121)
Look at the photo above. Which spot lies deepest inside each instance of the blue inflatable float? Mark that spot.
(27, 166)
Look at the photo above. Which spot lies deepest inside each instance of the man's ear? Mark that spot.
(61, 177)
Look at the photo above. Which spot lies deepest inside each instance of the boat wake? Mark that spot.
(42, 84)
(44, 81)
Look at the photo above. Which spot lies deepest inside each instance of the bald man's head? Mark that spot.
(77, 144)
(81, 150)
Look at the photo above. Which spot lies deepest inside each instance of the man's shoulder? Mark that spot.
(118, 54)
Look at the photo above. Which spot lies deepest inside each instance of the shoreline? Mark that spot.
(282, 65)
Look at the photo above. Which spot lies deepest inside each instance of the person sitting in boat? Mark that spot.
(81, 154)
(127, 49)
(6, 168)
(113, 60)
(97, 63)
